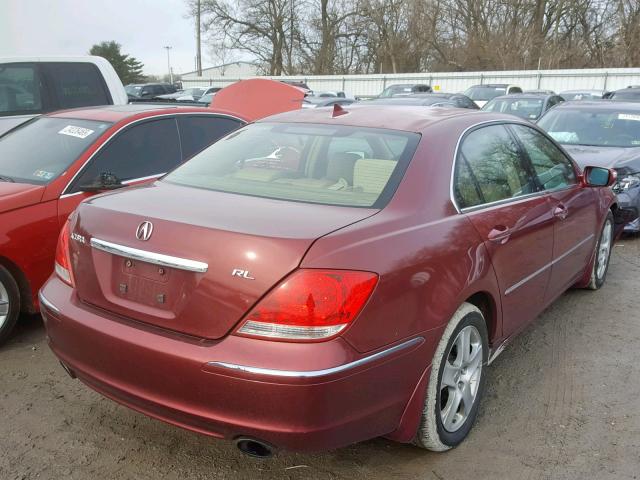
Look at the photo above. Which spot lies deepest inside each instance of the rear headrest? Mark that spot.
(341, 166)
(372, 175)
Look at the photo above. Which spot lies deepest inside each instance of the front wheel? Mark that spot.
(9, 303)
(602, 254)
(456, 383)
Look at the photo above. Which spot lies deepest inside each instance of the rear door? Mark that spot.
(141, 152)
(495, 188)
(571, 205)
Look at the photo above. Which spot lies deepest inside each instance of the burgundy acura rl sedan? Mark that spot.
(323, 277)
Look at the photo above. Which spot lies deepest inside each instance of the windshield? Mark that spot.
(133, 90)
(403, 90)
(485, 93)
(528, 108)
(597, 127)
(326, 164)
(40, 150)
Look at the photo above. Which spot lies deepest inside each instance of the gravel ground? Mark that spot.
(563, 402)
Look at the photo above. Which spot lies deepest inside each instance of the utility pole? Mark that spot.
(169, 64)
(198, 47)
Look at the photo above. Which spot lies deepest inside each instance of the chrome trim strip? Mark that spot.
(43, 301)
(151, 117)
(318, 373)
(149, 257)
(550, 264)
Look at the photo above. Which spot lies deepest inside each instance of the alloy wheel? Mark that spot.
(4, 305)
(604, 248)
(460, 378)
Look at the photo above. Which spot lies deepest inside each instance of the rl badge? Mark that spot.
(144, 231)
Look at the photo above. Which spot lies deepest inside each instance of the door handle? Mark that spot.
(560, 212)
(499, 234)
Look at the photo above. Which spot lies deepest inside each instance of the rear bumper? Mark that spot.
(303, 397)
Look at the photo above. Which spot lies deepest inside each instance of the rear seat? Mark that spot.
(371, 175)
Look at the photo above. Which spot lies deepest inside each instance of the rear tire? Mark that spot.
(456, 383)
(9, 304)
(602, 255)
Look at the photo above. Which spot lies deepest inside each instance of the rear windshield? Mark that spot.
(40, 150)
(485, 93)
(529, 108)
(326, 164)
(627, 95)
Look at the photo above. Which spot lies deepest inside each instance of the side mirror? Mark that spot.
(599, 176)
(105, 181)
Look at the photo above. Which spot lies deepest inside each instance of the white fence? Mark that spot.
(370, 85)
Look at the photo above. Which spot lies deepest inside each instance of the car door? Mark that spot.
(497, 191)
(199, 131)
(572, 208)
(139, 153)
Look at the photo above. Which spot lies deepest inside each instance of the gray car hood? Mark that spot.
(626, 160)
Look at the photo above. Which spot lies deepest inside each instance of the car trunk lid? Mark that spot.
(209, 257)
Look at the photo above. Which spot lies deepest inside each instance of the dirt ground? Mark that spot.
(563, 402)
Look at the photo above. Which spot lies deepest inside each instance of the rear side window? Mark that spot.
(143, 150)
(489, 168)
(553, 169)
(78, 85)
(198, 132)
(20, 89)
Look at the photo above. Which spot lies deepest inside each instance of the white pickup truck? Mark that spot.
(30, 86)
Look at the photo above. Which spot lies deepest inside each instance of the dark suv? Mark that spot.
(146, 91)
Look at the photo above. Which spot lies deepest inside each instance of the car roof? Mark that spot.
(392, 117)
(492, 85)
(599, 105)
(524, 96)
(116, 113)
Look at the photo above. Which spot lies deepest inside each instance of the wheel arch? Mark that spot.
(487, 305)
(24, 287)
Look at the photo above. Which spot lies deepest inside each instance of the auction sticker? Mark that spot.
(628, 116)
(78, 132)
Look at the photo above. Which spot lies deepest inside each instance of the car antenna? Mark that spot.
(338, 110)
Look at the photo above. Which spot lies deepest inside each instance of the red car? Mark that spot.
(52, 163)
(320, 278)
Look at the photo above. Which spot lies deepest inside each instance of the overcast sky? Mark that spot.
(71, 27)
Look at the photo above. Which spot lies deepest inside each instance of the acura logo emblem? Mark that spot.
(144, 231)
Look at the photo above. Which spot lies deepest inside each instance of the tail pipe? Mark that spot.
(254, 448)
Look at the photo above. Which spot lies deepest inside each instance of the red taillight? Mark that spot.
(310, 304)
(63, 260)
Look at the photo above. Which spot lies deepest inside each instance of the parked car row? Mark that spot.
(313, 278)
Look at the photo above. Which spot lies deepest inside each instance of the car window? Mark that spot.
(78, 84)
(553, 168)
(303, 163)
(145, 149)
(19, 89)
(198, 132)
(600, 127)
(489, 168)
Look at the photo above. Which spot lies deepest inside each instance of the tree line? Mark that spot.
(290, 37)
